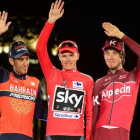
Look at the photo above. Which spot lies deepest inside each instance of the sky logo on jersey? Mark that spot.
(120, 91)
(77, 84)
(68, 100)
(66, 115)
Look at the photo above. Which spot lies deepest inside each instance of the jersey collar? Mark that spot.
(118, 70)
(72, 70)
(21, 77)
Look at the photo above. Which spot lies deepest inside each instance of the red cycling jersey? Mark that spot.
(68, 92)
(115, 94)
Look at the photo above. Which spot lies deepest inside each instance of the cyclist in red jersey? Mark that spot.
(69, 91)
(20, 94)
(115, 94)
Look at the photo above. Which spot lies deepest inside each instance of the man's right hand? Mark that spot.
(3, 26)
(56, 11)
(112, 31)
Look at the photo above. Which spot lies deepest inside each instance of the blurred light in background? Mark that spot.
(33, 61)
(0, 49)
(32, 44)
(6, 49)
(54, 50)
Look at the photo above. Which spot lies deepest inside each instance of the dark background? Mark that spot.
(82, 23)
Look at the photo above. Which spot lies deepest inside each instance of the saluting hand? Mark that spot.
(3, 26)
(111, 30)
(56, 11)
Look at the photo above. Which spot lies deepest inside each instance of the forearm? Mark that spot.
(43, 37)
(135, 47)
(40, 112)
(42, 52)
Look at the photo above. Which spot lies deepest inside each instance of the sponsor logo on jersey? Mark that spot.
(107, 83)
(32, 83)
(22, 96)
(22, 90)
(66, 115)
(68, 100)
(17, 95)
(21, 107)
(96, 100)
(108, 79)
(77, 84)
(16, 81)
(120, 91)
(122, 76)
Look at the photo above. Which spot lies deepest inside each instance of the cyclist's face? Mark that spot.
(20, 65)
(68, 59)
(113, 59)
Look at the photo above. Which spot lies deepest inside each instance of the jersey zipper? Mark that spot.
(113, 99)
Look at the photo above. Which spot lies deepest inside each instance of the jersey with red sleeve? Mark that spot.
(115, 94)
(69, 94)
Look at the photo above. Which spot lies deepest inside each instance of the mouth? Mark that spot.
(67, 64)
(24, 69)
(111, 62)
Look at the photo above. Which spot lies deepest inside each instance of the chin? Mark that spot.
(112, 68)
(25, 72)
(68, 68)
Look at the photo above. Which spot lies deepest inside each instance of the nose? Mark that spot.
(25, 63)
(110, 56)
(67, 58)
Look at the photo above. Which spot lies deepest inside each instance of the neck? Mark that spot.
(21, 77)
(114, 70)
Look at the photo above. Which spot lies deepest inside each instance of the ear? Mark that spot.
(11, 61)
(59, 55)
(78, 55)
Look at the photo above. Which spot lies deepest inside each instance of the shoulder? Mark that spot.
(99, 80)
(86, 76)
(33, 79)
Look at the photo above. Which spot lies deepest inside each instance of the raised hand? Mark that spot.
(3, 26)
(56, 11)
(111, 30)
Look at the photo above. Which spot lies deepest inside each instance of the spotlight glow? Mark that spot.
(6, 49)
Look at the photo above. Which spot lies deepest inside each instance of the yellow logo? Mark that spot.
(21, 106)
